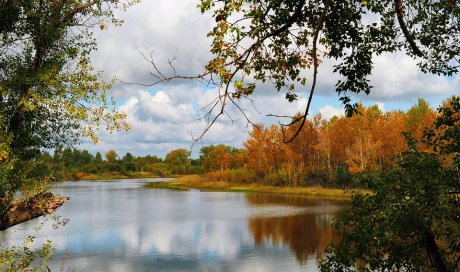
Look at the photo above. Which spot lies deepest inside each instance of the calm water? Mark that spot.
(122, 226)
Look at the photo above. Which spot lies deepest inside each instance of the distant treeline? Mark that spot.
(72, 163)
(326, 152)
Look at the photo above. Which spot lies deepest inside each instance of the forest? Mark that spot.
(326, 153)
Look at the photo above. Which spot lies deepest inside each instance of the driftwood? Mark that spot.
(27, 209)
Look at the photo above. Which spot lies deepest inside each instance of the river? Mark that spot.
(120, 225)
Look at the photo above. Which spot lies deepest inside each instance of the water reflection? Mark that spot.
(122, 226)
(306, 233)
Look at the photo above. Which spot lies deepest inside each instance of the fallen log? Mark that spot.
(30, 208)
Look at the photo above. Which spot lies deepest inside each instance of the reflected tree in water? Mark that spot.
(306, 234)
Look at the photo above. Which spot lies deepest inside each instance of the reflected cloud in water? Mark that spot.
(122, 226)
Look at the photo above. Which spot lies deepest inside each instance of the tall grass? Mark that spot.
(206, 182)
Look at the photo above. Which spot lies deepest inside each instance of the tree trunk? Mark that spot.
(433, 251)
(41, 204)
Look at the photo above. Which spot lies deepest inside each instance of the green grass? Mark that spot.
(197, 182)
(133, 175)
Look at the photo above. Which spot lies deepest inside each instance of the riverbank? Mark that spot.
(118, 176)
(110, 176)
(197, 182)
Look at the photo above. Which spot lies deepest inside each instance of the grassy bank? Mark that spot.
(117, 176)
(108, 176)
(198, 182)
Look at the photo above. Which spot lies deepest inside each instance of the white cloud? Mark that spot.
(165, 28)
(165, 120)
(163, 117)
(397, 76)
(381, 106)
(329, 111)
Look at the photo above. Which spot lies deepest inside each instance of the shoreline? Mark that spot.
(196, 182)
(94, 177)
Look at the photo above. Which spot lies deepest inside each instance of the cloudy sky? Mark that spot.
(165, 117)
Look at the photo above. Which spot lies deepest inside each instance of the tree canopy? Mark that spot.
(285, 41)
(50, 94)
(410, 223)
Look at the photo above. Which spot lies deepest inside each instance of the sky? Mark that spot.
(165, 117)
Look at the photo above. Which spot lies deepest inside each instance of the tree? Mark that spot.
(67, 157)
(410, 223)
(340, 139)
(257, 41)
(239, 158)
(264, 149)
(128, 157)
(388, 131)
(419, 118)
(179, 159)
(363, 154)
(98, 158)
(161, 169)
(111, 155)
(444, 138)
(214, 158)
(127, 162)
(85, 158)
(50, 94)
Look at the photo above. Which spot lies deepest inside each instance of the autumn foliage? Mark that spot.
(326, 152)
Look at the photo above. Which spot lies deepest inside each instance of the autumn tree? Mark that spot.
(305, 143)
(388, 132)
(179, 159)
(362, 155)
(419, 118)
(339, 139)
(214, 158)
(239, 158)
(111, 155)
(264, 149)
(410, 222)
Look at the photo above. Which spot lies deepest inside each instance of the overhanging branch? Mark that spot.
(399, 9)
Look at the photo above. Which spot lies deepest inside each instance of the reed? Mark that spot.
(203, 183)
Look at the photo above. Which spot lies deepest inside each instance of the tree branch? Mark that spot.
(399, 9)
(303, 118)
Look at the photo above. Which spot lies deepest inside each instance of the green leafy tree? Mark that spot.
(85, 158)
(98, 158)
(411, 222)
(445, 137)
(257, 41)
(161, 169)
(67, 157)
(128, 163)
(128, 157)
(50, 94)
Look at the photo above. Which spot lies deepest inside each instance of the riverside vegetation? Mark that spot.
(327, 153)
(50, 96)
(407, 161)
